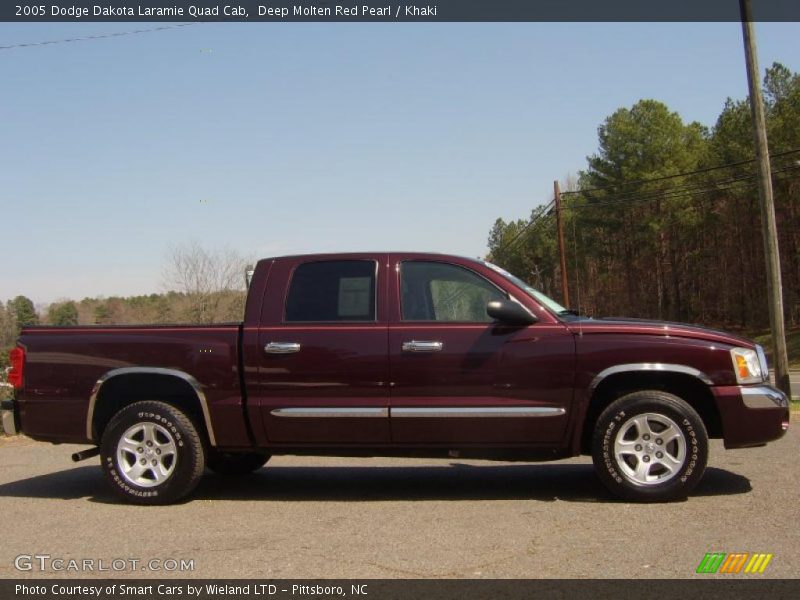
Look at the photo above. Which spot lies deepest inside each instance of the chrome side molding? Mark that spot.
(419, 411)
(330, 412)
(477, 411)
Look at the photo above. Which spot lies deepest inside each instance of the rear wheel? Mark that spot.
(233, 464)
(151, 453)
(650, 446)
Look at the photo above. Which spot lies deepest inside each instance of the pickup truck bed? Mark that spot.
(83, 363)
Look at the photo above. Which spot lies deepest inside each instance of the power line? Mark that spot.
(684, 192)
(676, 175)
(509, 244)
(637, 194)
(687, 191)
(100, 36)
(660, 193)
(675, 192)
(610, 201)
(668, 192)
(536, 225)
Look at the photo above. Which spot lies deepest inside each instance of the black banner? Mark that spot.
(717, 587)
(394, 11)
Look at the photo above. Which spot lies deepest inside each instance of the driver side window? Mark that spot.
(434, 291)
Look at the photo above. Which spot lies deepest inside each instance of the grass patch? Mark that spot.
(792, 345)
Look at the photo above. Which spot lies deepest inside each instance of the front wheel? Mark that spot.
(650, 446)
(151, 453)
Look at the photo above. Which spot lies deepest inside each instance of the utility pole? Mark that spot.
(768, 227)
(561, 252)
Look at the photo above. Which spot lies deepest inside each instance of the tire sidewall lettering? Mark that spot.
(608, 455)
(659, 403)
(110, 466)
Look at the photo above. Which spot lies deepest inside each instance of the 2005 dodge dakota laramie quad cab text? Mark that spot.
(393, 354)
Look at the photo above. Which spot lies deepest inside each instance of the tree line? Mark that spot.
(206, 286)
(664, 222)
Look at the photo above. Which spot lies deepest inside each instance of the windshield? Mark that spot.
(533, 292)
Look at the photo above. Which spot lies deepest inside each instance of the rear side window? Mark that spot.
(433, 291)
(338, 290)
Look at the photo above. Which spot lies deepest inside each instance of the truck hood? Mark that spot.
(631, 326)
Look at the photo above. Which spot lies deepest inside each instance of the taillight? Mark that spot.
(15, 374)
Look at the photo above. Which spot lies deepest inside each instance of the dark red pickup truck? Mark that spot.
(394, 354)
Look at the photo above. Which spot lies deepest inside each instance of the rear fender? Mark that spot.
(97, 399)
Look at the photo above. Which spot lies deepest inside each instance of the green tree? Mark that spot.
(644, 222)
(734, 286)
(646, 140)
(102, 314)
(658, 229)
(527, 248)
(782, 94)
(782, 91)
(63, 313)
(23, 312)
(7, 334)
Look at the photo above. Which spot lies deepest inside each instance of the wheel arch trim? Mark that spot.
(649, 367)
(196, 386)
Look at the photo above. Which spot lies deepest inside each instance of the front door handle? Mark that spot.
(282, 348)
(419, 346)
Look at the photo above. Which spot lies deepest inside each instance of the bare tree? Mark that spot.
(210, 280)
(569, 183)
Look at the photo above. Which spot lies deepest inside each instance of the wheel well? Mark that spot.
(123, 390)
(687, 387)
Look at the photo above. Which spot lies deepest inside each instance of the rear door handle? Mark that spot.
(420, 346)
(282, 348)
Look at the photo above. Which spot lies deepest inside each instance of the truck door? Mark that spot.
(323, 369)
(458, 377)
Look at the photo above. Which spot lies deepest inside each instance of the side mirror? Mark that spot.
(509, 312)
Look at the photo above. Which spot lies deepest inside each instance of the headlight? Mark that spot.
(748, 365)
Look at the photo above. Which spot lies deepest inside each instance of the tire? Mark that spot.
(166, 440)
(234, 464)
(650, 446)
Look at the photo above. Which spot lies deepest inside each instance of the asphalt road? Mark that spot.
(794, 381)
(401, 518)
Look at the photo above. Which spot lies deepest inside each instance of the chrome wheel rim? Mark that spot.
(650, 449)
(146, 454)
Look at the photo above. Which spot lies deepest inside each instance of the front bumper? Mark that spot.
(8, 414)
(763, 396)
(752, 415)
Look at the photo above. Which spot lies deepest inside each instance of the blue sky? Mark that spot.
(296, 137)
